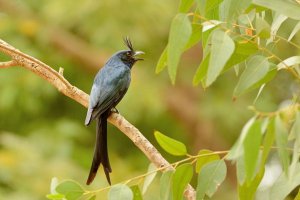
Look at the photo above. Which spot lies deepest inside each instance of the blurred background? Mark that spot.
(42, 132)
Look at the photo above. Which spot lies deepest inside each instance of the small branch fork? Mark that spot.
(57, 80)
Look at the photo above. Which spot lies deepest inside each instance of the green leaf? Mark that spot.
(55, 196)
(257, 67)
(170, 145)
(201, 6)
(179, 35)
(251, 149)
(137, 195)
(263, 29)
(257, 8)
(269, 76)
(278, 20)
(284, 185)
(281, 136)
(242, 51)
(231, 9)
(211, 6)
(247, 190)
(240, 170)
(182, 176)
(289, 62)
(92, 197)
(201, 71)
(185, 5)
(149, 178)
(162, 62)
(298, 195)
(237, 150)
(295, 30)
(268, 141)
(193, 40)
(295, 130)
(288, 8)
(221, 50)
(246, 19)
(209, 9)
(207, 31)
(165, 185)
(195, 36)
(210, 178)
(71, 189)
(204, 158)
(120, 191)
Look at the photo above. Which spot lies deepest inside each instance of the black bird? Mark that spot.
(109, 87)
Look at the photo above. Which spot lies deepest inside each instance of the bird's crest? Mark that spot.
(128, 43)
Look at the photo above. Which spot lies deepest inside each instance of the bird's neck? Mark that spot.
(129, 64)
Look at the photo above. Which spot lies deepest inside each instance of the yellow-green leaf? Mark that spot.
(170, 145)
(137, 195)
(55, 196)
(204, 158)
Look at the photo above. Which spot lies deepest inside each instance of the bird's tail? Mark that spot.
(100, 153)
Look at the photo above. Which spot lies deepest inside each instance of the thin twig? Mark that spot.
(58, 81)
(175, 164)
(295, 106)
(7, 64)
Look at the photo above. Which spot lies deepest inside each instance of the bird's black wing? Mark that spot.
(112, 84)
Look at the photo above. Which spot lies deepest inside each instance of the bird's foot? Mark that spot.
(114, 110)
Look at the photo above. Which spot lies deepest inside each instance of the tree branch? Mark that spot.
(8, 64)
(57, 80)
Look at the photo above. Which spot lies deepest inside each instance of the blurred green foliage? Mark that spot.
(42, 132)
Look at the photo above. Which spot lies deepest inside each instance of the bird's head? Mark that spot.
(130, 56)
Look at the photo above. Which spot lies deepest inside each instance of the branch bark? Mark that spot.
(57, 80)
(8, 64)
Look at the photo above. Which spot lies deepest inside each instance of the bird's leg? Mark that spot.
(114, 110)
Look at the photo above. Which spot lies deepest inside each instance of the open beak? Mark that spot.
(137, 53)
